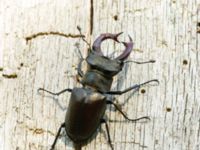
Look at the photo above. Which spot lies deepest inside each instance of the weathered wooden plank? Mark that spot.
(30, 120)
(166, 32)
(162, 30)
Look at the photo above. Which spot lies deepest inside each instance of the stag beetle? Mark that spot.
(87, 104)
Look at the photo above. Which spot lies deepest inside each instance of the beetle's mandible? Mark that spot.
(87, 104)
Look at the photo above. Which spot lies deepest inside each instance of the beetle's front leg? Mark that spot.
(134, 87)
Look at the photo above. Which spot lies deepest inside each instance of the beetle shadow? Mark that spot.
(127, 121)
(65, 139)
(59, 104)
(56, 99)
(103, 131)
(68, 142)
(120, 83)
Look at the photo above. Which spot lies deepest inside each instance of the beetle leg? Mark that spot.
(143, 62)
(97, 43)
(65, 90)
(108, 133)
(137, 86)
(80, 72)
(82, 36)
(123, 114)
(54, 143)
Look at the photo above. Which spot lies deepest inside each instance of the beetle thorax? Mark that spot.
(101, 71)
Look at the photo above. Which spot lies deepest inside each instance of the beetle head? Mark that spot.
(105, 65)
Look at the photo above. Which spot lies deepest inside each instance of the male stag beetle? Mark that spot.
(87, 104)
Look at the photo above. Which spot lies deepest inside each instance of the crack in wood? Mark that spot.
(10, 76)
(34, 130)
(91, 16)
(33, 36)
(185, 109)
(198, 27)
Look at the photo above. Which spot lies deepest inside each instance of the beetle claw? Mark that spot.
(116, 36)
(128, 45)
(128, 49)
(97, 43)
(131, 40)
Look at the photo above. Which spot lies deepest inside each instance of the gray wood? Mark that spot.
(37, 49)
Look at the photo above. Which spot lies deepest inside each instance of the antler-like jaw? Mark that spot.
(127, 51)
(97, 45)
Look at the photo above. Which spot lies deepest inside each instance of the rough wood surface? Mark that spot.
(37, 49)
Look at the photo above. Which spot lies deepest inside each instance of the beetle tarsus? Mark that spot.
(123, 114)
(57, 135)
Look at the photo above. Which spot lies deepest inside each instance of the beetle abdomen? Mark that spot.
(86, 108)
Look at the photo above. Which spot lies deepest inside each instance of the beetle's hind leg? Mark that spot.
(123, 114)
(108, 133)
(58, 133)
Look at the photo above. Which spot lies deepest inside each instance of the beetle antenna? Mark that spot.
(79, 51)
(83, 36)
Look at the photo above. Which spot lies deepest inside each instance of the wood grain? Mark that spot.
(166, 31)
